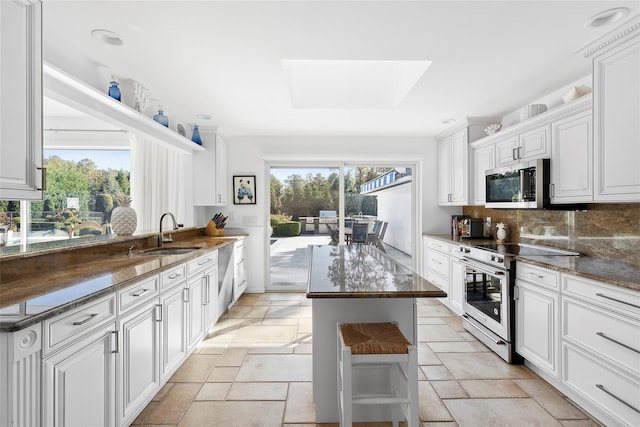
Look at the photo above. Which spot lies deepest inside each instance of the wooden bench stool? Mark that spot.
(383, 347)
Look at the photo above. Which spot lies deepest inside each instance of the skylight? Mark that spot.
(351, 84)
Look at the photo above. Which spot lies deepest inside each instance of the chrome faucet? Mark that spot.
(161, 238)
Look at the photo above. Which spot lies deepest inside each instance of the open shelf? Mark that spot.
(70, 91)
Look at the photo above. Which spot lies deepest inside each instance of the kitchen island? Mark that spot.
(356, 283)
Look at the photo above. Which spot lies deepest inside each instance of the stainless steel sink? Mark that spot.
(174, 250)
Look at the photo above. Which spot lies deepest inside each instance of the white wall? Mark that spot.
(393, 203)
(249, 155)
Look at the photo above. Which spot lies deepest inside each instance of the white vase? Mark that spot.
(124, 220)
(501, 234)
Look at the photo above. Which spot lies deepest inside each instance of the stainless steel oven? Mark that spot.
(489, 306)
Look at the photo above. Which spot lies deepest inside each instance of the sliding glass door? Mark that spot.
(317, 205)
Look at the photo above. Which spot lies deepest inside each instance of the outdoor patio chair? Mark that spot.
(376, 239)
(86, 225)
(335, 235)
(359, 234)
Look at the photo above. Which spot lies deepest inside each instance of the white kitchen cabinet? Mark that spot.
(173, 333)
(571, 177)
(528, 145)
(138, 360)
(601, 348)
(22, 176)
(196, 311)
(453, 165)
(537, 298)
(436, 265)
(211, 315)
(79, 382)
(483, 159)
(616, 108)
(457, 276)
(239, 270)
(210, 171)
(20, 377)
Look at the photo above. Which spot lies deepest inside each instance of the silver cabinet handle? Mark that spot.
(159, 313)
(117, 350)
(536, 275)
(185, 295)
(519, 155)
(174, 276)
(204, 261)
(513, 154)
(617, 300)
(601, 387)
(552, 190)
(601, 334)
(436, 261)
(140, 293)
(82, 322)
(44, 179)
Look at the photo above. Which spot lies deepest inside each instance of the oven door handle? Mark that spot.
(482, 268)
(496, 341)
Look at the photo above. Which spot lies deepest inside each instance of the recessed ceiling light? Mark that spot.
(607, 17)
(108, 37)
(204, 116)
(448, 121)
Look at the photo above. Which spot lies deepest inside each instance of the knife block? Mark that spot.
(211, 230)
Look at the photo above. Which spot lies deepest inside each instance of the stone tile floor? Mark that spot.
(254, 369)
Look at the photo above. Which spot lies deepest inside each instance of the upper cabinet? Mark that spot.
(529, 145)
(22, 176)
(616, 109)
(453, 160)
(571, 178)
(210, 171)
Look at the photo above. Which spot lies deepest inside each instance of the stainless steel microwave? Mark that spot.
(519, 186)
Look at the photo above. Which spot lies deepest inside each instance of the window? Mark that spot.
(82, 185)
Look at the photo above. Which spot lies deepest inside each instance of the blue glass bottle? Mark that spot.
(161, 118)
(196, 135)
(114, 89)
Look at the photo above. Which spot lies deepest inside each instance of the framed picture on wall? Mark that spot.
(244, 189)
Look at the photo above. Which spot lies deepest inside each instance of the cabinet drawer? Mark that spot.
(438, 263)
(589, 378)
(622, 300)
(138, 293)
(438, 245)
(438, 280)
(70, 325)
(537, 275)
(171, 278)
(609, 335)
(207, 260)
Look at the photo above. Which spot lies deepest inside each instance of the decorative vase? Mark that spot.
(501, 234)
(196, 135)
(124, 219)
(161, 118)
(114, 89)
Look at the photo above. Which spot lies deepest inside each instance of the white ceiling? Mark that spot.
(228, 59)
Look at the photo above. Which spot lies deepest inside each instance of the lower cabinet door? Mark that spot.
(211, 298)
(138, 361)
(173, 338)
(456, 285)
(197, 310)
(537, 322)
(79, 382)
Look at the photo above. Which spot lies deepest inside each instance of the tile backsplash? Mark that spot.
(607, 230)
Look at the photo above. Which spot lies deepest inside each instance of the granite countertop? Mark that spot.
(54, 284)
(602, 269)
(363, 271)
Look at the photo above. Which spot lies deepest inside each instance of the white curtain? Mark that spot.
(157, 183)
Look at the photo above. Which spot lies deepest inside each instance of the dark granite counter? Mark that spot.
(363, 271)
(34, 288)
(605, 270)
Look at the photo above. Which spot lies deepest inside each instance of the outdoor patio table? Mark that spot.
(352, 284)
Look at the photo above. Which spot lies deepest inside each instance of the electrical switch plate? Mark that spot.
(250, 220)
